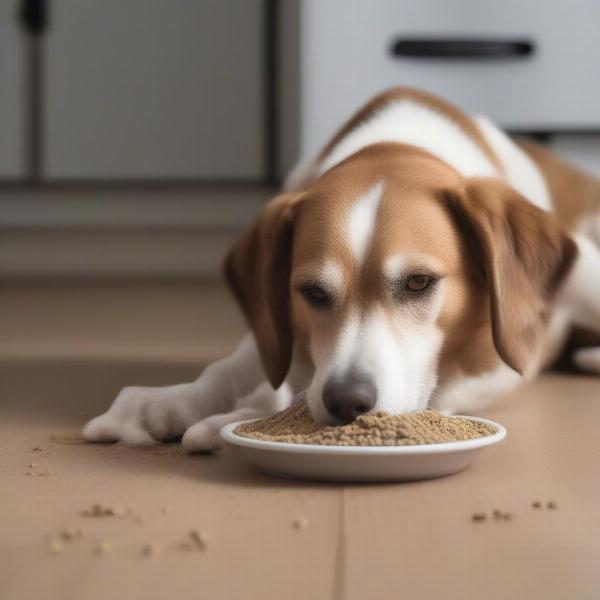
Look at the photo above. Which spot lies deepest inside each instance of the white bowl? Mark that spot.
(362, 463)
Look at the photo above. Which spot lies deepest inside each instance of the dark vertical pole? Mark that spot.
(271, 83)
(34, 20)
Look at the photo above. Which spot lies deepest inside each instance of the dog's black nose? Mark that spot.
(349, 398)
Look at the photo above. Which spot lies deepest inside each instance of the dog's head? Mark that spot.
(392, 270)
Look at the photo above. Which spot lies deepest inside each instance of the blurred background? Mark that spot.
(139, 137)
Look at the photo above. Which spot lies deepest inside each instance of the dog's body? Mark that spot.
(424, 258)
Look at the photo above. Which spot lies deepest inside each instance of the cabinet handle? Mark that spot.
(33, 15)
(465, 48)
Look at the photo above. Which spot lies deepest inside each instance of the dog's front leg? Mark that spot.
(230, 389)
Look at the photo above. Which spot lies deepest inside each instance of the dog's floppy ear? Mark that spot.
(524, 255)
(257, 270)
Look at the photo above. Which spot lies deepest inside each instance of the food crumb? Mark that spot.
(70, 534)
(501, 516)
(151, 549)
(103, 548)
(199, 538)
(301, 523)
(99, 510)
(551, 505)
(478, 517)
(39, 449)
(55, 546)
(536, 504)
(32, 465)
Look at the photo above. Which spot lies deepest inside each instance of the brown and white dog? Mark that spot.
(423, 259)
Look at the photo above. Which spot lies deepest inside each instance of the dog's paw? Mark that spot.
(108, 428)
(139, 417)
(202, 437)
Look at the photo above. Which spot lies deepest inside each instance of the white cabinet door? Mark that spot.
(346, 58)
(12, 90)
(154, 89)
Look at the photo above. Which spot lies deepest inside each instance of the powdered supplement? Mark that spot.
(295, 425)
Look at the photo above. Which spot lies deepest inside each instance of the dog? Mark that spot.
(422, 259)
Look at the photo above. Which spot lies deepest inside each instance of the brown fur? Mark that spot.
(525, 256)
(574, 194)
(463, 120)
(257, 270)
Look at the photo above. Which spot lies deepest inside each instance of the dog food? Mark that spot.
(98, 510)
(301, 523)
(295, 425)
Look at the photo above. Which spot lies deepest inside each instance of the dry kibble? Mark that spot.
(71, 533)
(199, 539)
(103, 548)
(501, 516)
(479, 517)
(151, 549)
(295, 425)
(551, 505)
(301, 523)
(39, 449)
(32, 465)
(99, 510)
(536, 504)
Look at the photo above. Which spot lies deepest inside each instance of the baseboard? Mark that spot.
(131, 232)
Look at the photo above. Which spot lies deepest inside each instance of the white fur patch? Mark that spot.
(520, 171)
(401, 366)
(470, 394)
(408, 122)
(361, 221)
(332, 275)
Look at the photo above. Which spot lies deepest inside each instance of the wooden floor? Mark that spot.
(362, 541)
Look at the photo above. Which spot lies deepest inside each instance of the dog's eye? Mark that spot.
(316, 295)
(418, 283)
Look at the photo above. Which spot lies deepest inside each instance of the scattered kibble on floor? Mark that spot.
(478, 517)
(39, 449)
(99, 510)
(151, 549)
(199, 538)
(301, 523)
(551, 505)
(536, 504)
(103, 548)
(70, 534)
